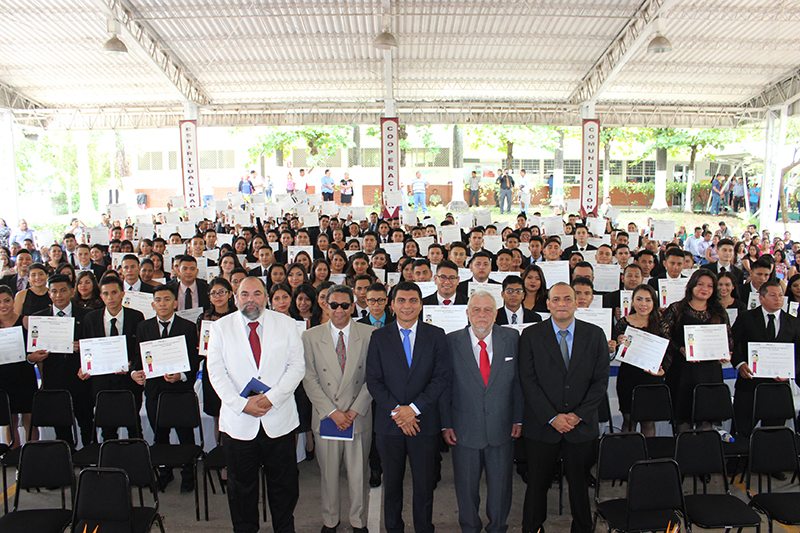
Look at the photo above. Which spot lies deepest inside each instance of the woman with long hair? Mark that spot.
(353, 246)
(738, 254)
(406, 268)
(783, 270)
(322, 293)
(55, 257)
(411, 248)
(359, 264)
(35, 297)
(66, 269)
(296, 275)
(753, 253)
(304, 305)
(338, 239)
(535, 289)
(645, 316)
(276, 274)
(338, 261)
(280, 298)
(145, 248)
(228, 262)
(699, 306)
(380, 259)
(729, 294)
(518, 259)
(323, 243)
(87, 291)
(304, 259)
(793, 288)
(240, 246)
(320, 272)
(158, 267)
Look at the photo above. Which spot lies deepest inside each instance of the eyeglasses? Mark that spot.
(373, 301)
(448, 278)
(514, 291)
(337, 305)
(221, 292)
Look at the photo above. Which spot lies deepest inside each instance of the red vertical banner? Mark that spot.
(590, 165)
(190, 163)
(390, 162)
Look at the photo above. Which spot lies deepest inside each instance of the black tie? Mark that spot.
(771, 327)
(187, 302)
(72, 258)
(114, 331)
(363, 313)
(165, 331)
(722, 271)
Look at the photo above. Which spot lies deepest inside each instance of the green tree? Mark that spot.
(322, 141)
(426, 134)
(504, 138)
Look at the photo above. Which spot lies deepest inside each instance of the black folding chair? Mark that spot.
(103, 503)
(653, 403)
(6, 420)
(618, 453)
(47, 464)
(214, 461)
(133, 456)
(699, 454)
(180, 410)
(51, 408)
(711, 403)
(113, 409)
(772, 450)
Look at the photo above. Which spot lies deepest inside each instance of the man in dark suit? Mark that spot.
(130, 274)
(166, 324)
(563, 370)
(760, 273)
(481, 266)
(766, 323)
(484, 388)
(60, 370)
(190, 291)
(266, 258)
(85, 262)
(673, 265)
(512, 311)
(581, 243)
(446, 280)
(407, 371)
(725, 252)
(18, 281)
(112, 321)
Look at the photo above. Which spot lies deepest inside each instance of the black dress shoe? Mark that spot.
(187, 483)
(780, 476)
(375, 479)
(164, 479)
(326, 529)
(309, 455)
(360, 530)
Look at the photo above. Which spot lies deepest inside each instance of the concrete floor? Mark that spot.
(179, 515)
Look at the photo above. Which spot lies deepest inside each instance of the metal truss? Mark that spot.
(151, 47)
(11, 99)
(785, 92)
(331, 113)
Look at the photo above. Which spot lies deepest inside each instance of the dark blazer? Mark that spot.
(391, 382)
(97, 270)
(257, 271)
(202, 288)
(459, 299)
(744, 291)
(528, 316)
(60, 370)
(145, 287)
(93, 327)
(565, 255)
(389, 319)
(653, 282)
(484, 413)
(11, 281)
(150, 330)
(549, 388)
(736, 271)
(751, 327)
(463, 287)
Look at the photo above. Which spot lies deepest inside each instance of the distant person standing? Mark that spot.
(327, 185)
(268, 189)
(506, 183)
(290, 185)
(474, 189)
(716, 195)
(755, 196)
(21, 234)
(418, 189)
(347, 190)
(524, 192)
(245, 187)
(738, 194)
(257, 181)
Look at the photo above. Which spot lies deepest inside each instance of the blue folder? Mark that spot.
(253, 386)
(329, 431)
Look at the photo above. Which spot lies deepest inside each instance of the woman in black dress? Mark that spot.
(645, 316)
(17, 379)
(535, 289)
(35, 297)
(729, 295)
(87, 291)
(304, 307)
(699, 306)
(220, 293)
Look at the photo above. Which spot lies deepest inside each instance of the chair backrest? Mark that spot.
(130, 455)
(699, 452)
(618, 452)
(103, 501)
(772, 449)
(604, 413)
(651, 403)
(178, 409)
(773, 401)
(5, 415)
(45, 463)
(655, 485)
(711, 403)
(52, 408)
(117, 409)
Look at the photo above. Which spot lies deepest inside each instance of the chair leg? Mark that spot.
(222, 482)
(160, 523)
(210, 480)
(264, 492)
(594, 522)
(205, 489)
(196, 493)
(5, 490)
(561, 489)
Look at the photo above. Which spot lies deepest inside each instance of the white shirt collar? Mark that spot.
(67, 310)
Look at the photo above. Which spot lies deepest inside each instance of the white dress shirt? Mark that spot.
(107, 321)
(519, 313)
(182, 295)
(476, 350)
(441, 299)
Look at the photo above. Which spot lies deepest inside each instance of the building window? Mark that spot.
(217, 159)
(300, 159)
(172, 157)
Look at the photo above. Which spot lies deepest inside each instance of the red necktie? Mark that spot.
(484, 363)
(447, 302)
(255, 342)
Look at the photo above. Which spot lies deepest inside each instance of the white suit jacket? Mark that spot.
(231, 366)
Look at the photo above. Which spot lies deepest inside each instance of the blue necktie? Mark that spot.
(407, 344)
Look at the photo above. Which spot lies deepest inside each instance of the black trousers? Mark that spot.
(327, 196)
(244, 459)
(421, 452)
(542, 463)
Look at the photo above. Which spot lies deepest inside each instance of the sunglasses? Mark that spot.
(337, 305)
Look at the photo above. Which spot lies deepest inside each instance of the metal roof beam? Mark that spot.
(785, 92)
(614, 58)
(13, 100)
(150, 46)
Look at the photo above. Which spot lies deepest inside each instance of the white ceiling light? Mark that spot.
(659, 45)
(113, 45)
(385, 40)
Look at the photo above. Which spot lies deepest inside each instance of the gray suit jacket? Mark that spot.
(325, 384)
(482, 415)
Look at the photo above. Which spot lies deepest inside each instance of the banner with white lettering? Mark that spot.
(190, 163)
(390, 157)
(590, 165)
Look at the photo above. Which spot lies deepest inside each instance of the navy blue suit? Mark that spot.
(391, 383)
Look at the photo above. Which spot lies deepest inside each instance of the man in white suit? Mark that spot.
(256, 427)
(336, 356)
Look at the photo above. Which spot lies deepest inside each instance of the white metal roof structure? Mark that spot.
(274, 62)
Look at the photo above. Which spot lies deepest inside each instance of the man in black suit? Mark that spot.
(512, 311)
(266, 258)
(130, 273)
(581, 243)
(407, 371)
(60, 370)
(18, 281)
(766, 323)
(446, 280)
(760, 273)
(190, 291)
(725, 252)
(481, 266)
(563, 371)
(84, 255)
(166, 324)
(112, 321)
(673, 265)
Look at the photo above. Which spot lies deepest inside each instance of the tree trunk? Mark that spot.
(558, 172)
(660, 195)
(509, 154)
(402, 134)
(279, 157)
(606, 169)
(782, 194)
(688, 206)
(458, 147)
(356, 146)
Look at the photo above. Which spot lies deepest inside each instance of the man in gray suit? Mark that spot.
(482, 414)
(336, 356)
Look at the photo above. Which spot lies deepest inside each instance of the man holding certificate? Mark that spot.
(446, 279)
(336, 355)
(766, 323)
(255, 362)
(166, 325)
